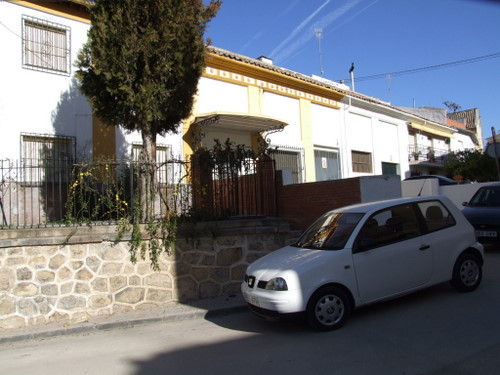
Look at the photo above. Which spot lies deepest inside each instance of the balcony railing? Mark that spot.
(424, 153)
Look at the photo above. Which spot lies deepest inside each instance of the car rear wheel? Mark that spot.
(328, 308)
(467, 273)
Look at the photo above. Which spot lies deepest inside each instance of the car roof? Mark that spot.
(427, 176)
(423, 177)
(494, 184)
(377, 205)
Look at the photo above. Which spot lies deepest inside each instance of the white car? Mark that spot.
(365, 253)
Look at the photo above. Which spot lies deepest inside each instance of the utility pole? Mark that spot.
(495, 151)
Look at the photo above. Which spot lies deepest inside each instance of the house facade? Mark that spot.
(432, 135)
(317, 129)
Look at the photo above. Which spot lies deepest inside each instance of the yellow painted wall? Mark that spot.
(104, 139)
(307, 140)
(255, 108)
(254, 100)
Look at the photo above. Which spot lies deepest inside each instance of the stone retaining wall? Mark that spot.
(70, 274)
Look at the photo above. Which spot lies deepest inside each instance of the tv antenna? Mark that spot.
(319, 35)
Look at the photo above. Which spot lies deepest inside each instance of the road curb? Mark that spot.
(122, 321)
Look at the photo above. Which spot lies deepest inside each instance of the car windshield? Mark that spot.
(486, 197)
(330, 232)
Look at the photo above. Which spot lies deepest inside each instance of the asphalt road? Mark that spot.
(436, 331)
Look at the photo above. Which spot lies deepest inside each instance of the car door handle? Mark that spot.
(424, 247)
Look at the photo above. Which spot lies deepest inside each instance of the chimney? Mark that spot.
(266, 60)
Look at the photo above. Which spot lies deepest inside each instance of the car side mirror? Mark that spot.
(465, 203)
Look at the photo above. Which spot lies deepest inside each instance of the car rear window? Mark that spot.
(436, 216)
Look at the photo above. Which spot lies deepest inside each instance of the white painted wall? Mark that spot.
(461, 142)
(221, 96)
(459, 194)
(33, 101)
(425, 187)
(288, 110)
(384, 137)
(359, 132)
(326, 130)
(375, 188)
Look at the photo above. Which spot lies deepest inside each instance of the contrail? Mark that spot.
(291, 48)
(288, 47)
(253, 39)
(261, 33)
(298, 29)
(290, 8)
(353, 16)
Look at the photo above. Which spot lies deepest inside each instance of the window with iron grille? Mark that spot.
(361, 162)
(164, 172)
(46, 159)
(46, 46)
(289, 160)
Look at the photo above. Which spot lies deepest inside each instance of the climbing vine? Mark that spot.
(108, 192)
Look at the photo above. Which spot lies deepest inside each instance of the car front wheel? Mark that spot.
(328, 308)
(467, 273)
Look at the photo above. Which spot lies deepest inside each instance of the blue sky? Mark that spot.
(381, 37)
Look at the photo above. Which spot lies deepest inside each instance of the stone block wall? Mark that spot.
(71, 274)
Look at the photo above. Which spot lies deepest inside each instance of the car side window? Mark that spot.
(436, 216)
(388, 226)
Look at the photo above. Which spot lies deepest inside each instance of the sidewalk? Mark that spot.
(168, 313)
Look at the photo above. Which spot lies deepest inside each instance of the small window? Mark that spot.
(361, 162)
(46, 46)
(46, 158)
(390, 168)
(162, 153)
(436, 216)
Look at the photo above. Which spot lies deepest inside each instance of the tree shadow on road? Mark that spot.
(431, 331)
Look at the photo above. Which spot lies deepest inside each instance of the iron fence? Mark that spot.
(108, 192)
(104, 192)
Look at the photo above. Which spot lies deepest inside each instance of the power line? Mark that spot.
(426, 68)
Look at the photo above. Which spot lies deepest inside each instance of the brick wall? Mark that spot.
(301, 204)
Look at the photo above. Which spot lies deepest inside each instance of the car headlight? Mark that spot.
(278, 283)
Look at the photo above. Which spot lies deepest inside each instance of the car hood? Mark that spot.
(289, 259)
(482, 215)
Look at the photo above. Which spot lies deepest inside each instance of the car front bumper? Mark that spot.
(276, 316)
(280, 302)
